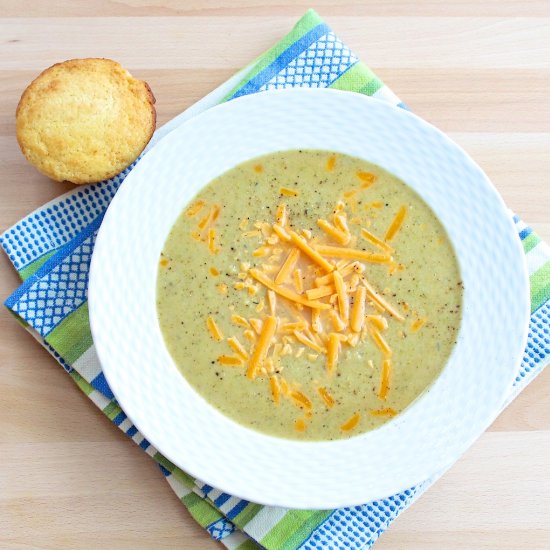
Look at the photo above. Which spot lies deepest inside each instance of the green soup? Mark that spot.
(309, 295)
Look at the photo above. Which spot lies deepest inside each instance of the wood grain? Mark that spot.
(479, 70)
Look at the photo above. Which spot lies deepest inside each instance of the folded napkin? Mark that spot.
(51, 250)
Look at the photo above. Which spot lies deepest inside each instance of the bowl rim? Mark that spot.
(106, 297)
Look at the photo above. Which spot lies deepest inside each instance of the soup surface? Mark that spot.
(309, 295)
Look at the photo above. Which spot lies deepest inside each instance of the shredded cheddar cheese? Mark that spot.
(288, 266)
(291, 327)
(366, 179)
(343, 301)
(257, 325)
(282, 215)
(367, 235)
(417, 325)
(210, 217)
(301, 337)
(333, 348)
(239, 321)
(387, 412)
(337, 322)
(319, 292)
(302, 244)
(326, 397)
(385, 380)
(396, 223)
(298, 282)
(262, 346)
(351, 423)
(300, 425)
(337, 234)
(357, 317)
(281, 232)
(230, 360)
(300, 399)
(214, 329)
(285, 191)
(272, 301)
(313, 297)
(195, 208)
(285, 292)
(341, 223)
(261, 251)
(211, 241)
(316, 324)
(354, 254)
(377, 321)
(237, 347)
(331, 163)
(164, 262)
(381, 301)
(275, 389)
(380, 342)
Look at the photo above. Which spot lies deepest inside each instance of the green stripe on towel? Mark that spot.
(72, 337)
(295, 526)
(540, 286)
(530, 242)
(358, 78)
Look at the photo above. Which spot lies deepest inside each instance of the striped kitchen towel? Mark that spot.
(51, 250)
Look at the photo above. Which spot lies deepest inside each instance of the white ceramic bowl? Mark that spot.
(424, 439)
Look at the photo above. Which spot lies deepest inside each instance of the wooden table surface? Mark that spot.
(477, 69)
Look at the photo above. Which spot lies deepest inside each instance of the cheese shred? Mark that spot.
(326, 397)
(354, 254)
(230, 360)
(195, 208)
(275, 389)
(286, 192)
(357, 317)
(237, 347)
(288, 266)
(285, 292)
(396, 224)
(351, 423)
(338, 235)
(302, 244)
(333, 347)
(388, 412)
(343, 302)
(262, 347)
(214, 329)
(385, 380)
(373, 239)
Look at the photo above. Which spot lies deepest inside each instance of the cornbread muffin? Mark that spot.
(84, 120)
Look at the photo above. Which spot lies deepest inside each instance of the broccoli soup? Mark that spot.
(309, 295)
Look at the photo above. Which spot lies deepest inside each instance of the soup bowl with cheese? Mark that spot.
(308, 298)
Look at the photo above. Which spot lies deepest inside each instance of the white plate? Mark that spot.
(423, 440)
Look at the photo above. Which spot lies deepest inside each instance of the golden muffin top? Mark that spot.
(84, 120)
